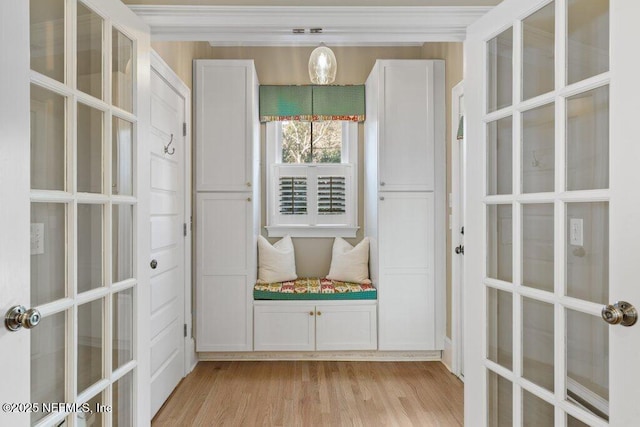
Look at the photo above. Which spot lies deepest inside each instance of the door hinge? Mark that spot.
(184, 129)
(184, 229)
(185, 330)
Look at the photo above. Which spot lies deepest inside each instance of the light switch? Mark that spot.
(575, 232)
(37, 238)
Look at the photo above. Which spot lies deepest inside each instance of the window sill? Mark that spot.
(311, 230)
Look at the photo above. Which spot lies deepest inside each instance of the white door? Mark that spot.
(457, 227)
(168, 235)
(552, 211)
(74, 78)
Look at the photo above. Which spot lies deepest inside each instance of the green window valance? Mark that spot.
(312, 103)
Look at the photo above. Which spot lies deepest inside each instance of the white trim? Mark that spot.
(368, 356)
(345, 25)
(311, 231)
(457, 222)
(592, 398)
(447, 354)
(172, 79)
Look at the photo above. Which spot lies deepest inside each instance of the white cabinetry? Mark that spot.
(315, 325)
(405, 201)
(228, 203)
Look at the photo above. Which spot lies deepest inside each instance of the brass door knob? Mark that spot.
(621, 312)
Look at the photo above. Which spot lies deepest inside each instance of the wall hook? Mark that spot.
(166, 148)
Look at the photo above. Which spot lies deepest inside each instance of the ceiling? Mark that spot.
(272, 23)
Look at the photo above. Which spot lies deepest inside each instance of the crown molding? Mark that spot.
(344, 25)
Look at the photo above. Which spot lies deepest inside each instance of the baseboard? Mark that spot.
(588, 399)
(447, 354)
(191, 356)
(359, 356)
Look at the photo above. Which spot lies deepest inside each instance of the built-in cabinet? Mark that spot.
(405, 201)
(227, 219)
(315, 325)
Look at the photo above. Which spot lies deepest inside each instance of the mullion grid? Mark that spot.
(560, 198)
(71, 200)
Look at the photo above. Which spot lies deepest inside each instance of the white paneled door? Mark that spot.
(74, 165)
(168, 237)
(551, 233)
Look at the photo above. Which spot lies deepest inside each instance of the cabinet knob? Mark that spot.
(382, 184)
(248, 184)
(319, 313)
(311, 313)
(248, 199)
(381, 198)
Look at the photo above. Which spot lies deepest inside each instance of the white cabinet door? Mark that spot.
(346, 327)
(408, 313)
(284, 327)
(407, 134)
(225, 122)
(226, 255)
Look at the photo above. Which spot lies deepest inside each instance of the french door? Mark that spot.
(77, 74)
(553, 207)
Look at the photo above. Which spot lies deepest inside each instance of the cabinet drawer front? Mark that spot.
(283, 328)
(346, 328)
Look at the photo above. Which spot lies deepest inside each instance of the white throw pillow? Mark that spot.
(348, 263)
(277, 262)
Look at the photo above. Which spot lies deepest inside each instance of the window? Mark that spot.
(311, 178)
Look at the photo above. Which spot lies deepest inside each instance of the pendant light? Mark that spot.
(322, 65)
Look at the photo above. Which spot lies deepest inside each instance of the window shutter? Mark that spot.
(293, 195)
(332, 195)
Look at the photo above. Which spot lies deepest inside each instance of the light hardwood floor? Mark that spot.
(315, 393)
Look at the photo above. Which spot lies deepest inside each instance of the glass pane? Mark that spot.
(89, 51)
(123, 401)
(48, 252)
(499, 401)
(500, 71)
(89, 344)
(122, 155)
(538, 149)
(588, 251)
(326, 146)
(122, 242)
(500, 243)
(48, 139)
(538, 40)
(47, 37)
(89, 149)
(588, 38)
(122, 71)
(537, 342)
(48, 359)
(95, 418)
(296, 142)
(500, 327)
(122, 328)
(90, 230)
(572, 422)
(499, 157)
(535, 411)
(588, 362)
(537, 246)
(588, 140)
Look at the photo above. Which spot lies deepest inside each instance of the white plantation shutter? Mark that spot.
(332, 194)
(293, 195)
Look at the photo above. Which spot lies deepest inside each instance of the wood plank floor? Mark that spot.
(315, 393)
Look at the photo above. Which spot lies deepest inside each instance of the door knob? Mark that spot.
(460, 249)
(620, 313)
(153, 264)
(18, 316)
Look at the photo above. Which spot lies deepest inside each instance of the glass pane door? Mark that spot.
(83, 205)
(547, 217)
